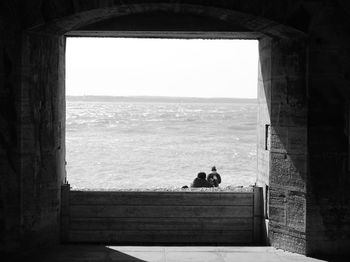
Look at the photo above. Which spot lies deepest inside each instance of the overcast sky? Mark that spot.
(161, 67)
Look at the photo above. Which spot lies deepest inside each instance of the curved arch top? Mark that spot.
(249, 22)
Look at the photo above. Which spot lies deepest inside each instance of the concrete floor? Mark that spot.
(94, 253)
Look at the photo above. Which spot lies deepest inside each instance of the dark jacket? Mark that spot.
(200, 182)
(211, 179)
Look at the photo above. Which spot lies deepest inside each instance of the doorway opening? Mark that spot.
(281, 99)
(150, 113)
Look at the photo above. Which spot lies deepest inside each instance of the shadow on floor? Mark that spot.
(76, 253)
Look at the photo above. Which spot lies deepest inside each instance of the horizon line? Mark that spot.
(155, 96)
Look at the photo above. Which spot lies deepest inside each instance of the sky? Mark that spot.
(161, 67)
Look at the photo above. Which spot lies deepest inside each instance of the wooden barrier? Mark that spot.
(230, 218)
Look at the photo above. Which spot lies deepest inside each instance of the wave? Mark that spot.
(152, 140)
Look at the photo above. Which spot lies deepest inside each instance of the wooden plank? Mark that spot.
(162, 224)
(159, 237)
(65, 214)
(161, 198)
(161, 211)
(258, 214)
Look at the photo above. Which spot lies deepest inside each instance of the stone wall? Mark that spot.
(264, 125)
(303, 96)
(288, 157)
(282, 143)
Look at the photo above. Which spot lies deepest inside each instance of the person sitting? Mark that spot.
(214, 178)
(200, 181)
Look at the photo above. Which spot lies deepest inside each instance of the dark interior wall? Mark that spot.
(29, 158)
(42, 120)
(328, 208)
(29, 137)
(9, 126)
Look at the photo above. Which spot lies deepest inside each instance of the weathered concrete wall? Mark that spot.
(309, 200)
(288, 157)
(328, 208)
(264, 125)
(42, 118)
(282, 151)
(10, 61)
(29, 139)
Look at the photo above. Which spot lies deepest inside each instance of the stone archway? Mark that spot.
(282, 110)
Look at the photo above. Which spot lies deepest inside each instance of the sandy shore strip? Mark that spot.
(173, 189)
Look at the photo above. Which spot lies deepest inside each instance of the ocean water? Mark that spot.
(151, 143)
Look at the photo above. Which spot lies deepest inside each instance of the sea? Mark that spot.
(158, 142)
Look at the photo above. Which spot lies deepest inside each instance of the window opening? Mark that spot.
(152, 113)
